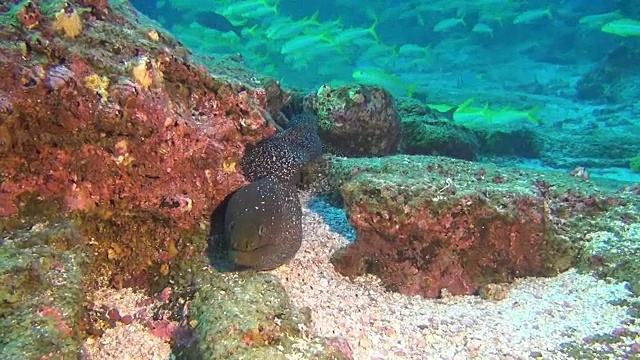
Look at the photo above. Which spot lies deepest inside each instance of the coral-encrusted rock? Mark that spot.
(424, 224)
(108, 120)
(357, 120)
(106, 123)
(429, 137)
(262, 324)
(425, 131)
(614, 254)
(152, 132)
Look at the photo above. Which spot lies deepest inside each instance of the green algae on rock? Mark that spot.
(248, 316)
(424, 137)
(42, 279)
(427, 131)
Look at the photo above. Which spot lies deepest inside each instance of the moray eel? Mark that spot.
(263, 224)
(283, 155)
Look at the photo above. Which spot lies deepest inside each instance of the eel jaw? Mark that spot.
(248, 258)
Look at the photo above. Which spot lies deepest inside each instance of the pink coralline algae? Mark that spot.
(144, 149)
(437, 227)
(130, 135)
(456, 249)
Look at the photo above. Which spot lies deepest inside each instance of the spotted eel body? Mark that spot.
(284, 154)
(263, 220)
(263, 224)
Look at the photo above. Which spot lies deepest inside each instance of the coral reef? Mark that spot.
(357, 120)
(123, 132)
(426, 224)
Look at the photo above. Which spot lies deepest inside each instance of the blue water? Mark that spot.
(549, 56)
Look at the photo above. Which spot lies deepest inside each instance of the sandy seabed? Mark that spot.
(536, 317)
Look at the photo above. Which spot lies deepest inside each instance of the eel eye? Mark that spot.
(261, 230)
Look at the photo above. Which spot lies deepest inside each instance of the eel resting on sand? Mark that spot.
(263, 224)
(263, 220)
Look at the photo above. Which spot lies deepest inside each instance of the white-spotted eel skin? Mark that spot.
(263, 220)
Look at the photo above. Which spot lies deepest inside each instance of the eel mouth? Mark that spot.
(246, 246)
(248, 258)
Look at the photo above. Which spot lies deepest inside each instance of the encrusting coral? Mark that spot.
(68, 21)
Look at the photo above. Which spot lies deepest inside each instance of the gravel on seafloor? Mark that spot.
(133, 341)
(537, 315)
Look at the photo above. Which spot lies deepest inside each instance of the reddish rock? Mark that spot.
(426, 224)
(356, 120)
(127, 319)
(113, 314)
(108, 126)
(117, 126)
(164, 329)
(72, 147)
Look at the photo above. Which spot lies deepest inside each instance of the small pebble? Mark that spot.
(474, 345)
(467, 321)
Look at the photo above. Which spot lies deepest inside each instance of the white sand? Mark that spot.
(537, 316)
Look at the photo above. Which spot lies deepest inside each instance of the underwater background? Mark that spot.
(566, 70)
(399, 179)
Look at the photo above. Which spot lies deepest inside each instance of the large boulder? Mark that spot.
(356, 120)
(117, 125)
(425, 224)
